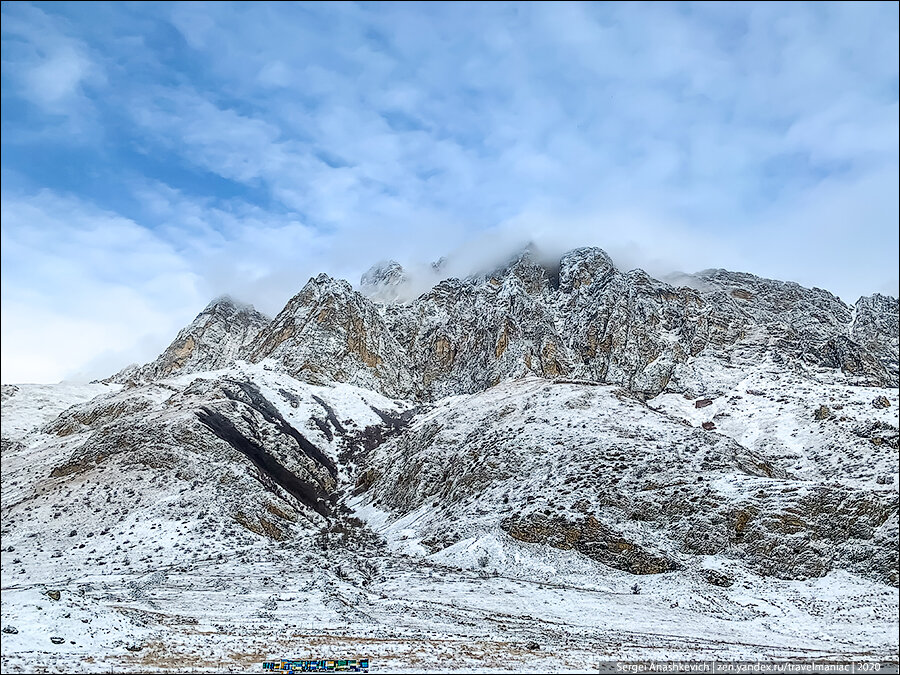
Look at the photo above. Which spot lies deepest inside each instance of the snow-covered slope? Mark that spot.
(591, 469)
(29, 406)
(521, 515)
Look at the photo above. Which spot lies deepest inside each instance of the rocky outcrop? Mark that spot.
(101, 410)
(214, 340)
(590, 538)
(826, 528)
(466, 336)
(329, 332)
(875, 328)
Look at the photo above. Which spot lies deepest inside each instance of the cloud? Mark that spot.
(57, 77)
(234, 146)
(78, 281)
(51, 70)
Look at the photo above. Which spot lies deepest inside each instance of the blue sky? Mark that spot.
(157, 155)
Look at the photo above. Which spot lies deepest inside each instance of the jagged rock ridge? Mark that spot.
(580, 318)
(329, 332)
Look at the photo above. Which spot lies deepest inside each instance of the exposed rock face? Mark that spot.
(211, 341)
(585, 319)
(626, 328)
(329, 332)
(466, 336)
(875, 328)
(794, 322)
(581, 319)
(829, 527)
(717, 578)
(286, 456)
(589, 537)
(95, 413)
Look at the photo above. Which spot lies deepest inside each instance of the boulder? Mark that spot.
(717, 578)
(823, 412)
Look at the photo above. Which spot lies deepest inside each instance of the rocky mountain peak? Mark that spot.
(213, 340)
(527, 269)
(384, 273)
(324, 284)
(383, 281)
(330, 332)
(226, 308)
(584, 266)
(223, 304)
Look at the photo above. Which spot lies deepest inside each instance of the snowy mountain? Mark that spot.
(488, 471)
(384, 281)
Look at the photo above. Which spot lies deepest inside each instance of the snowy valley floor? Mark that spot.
(420, 615)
